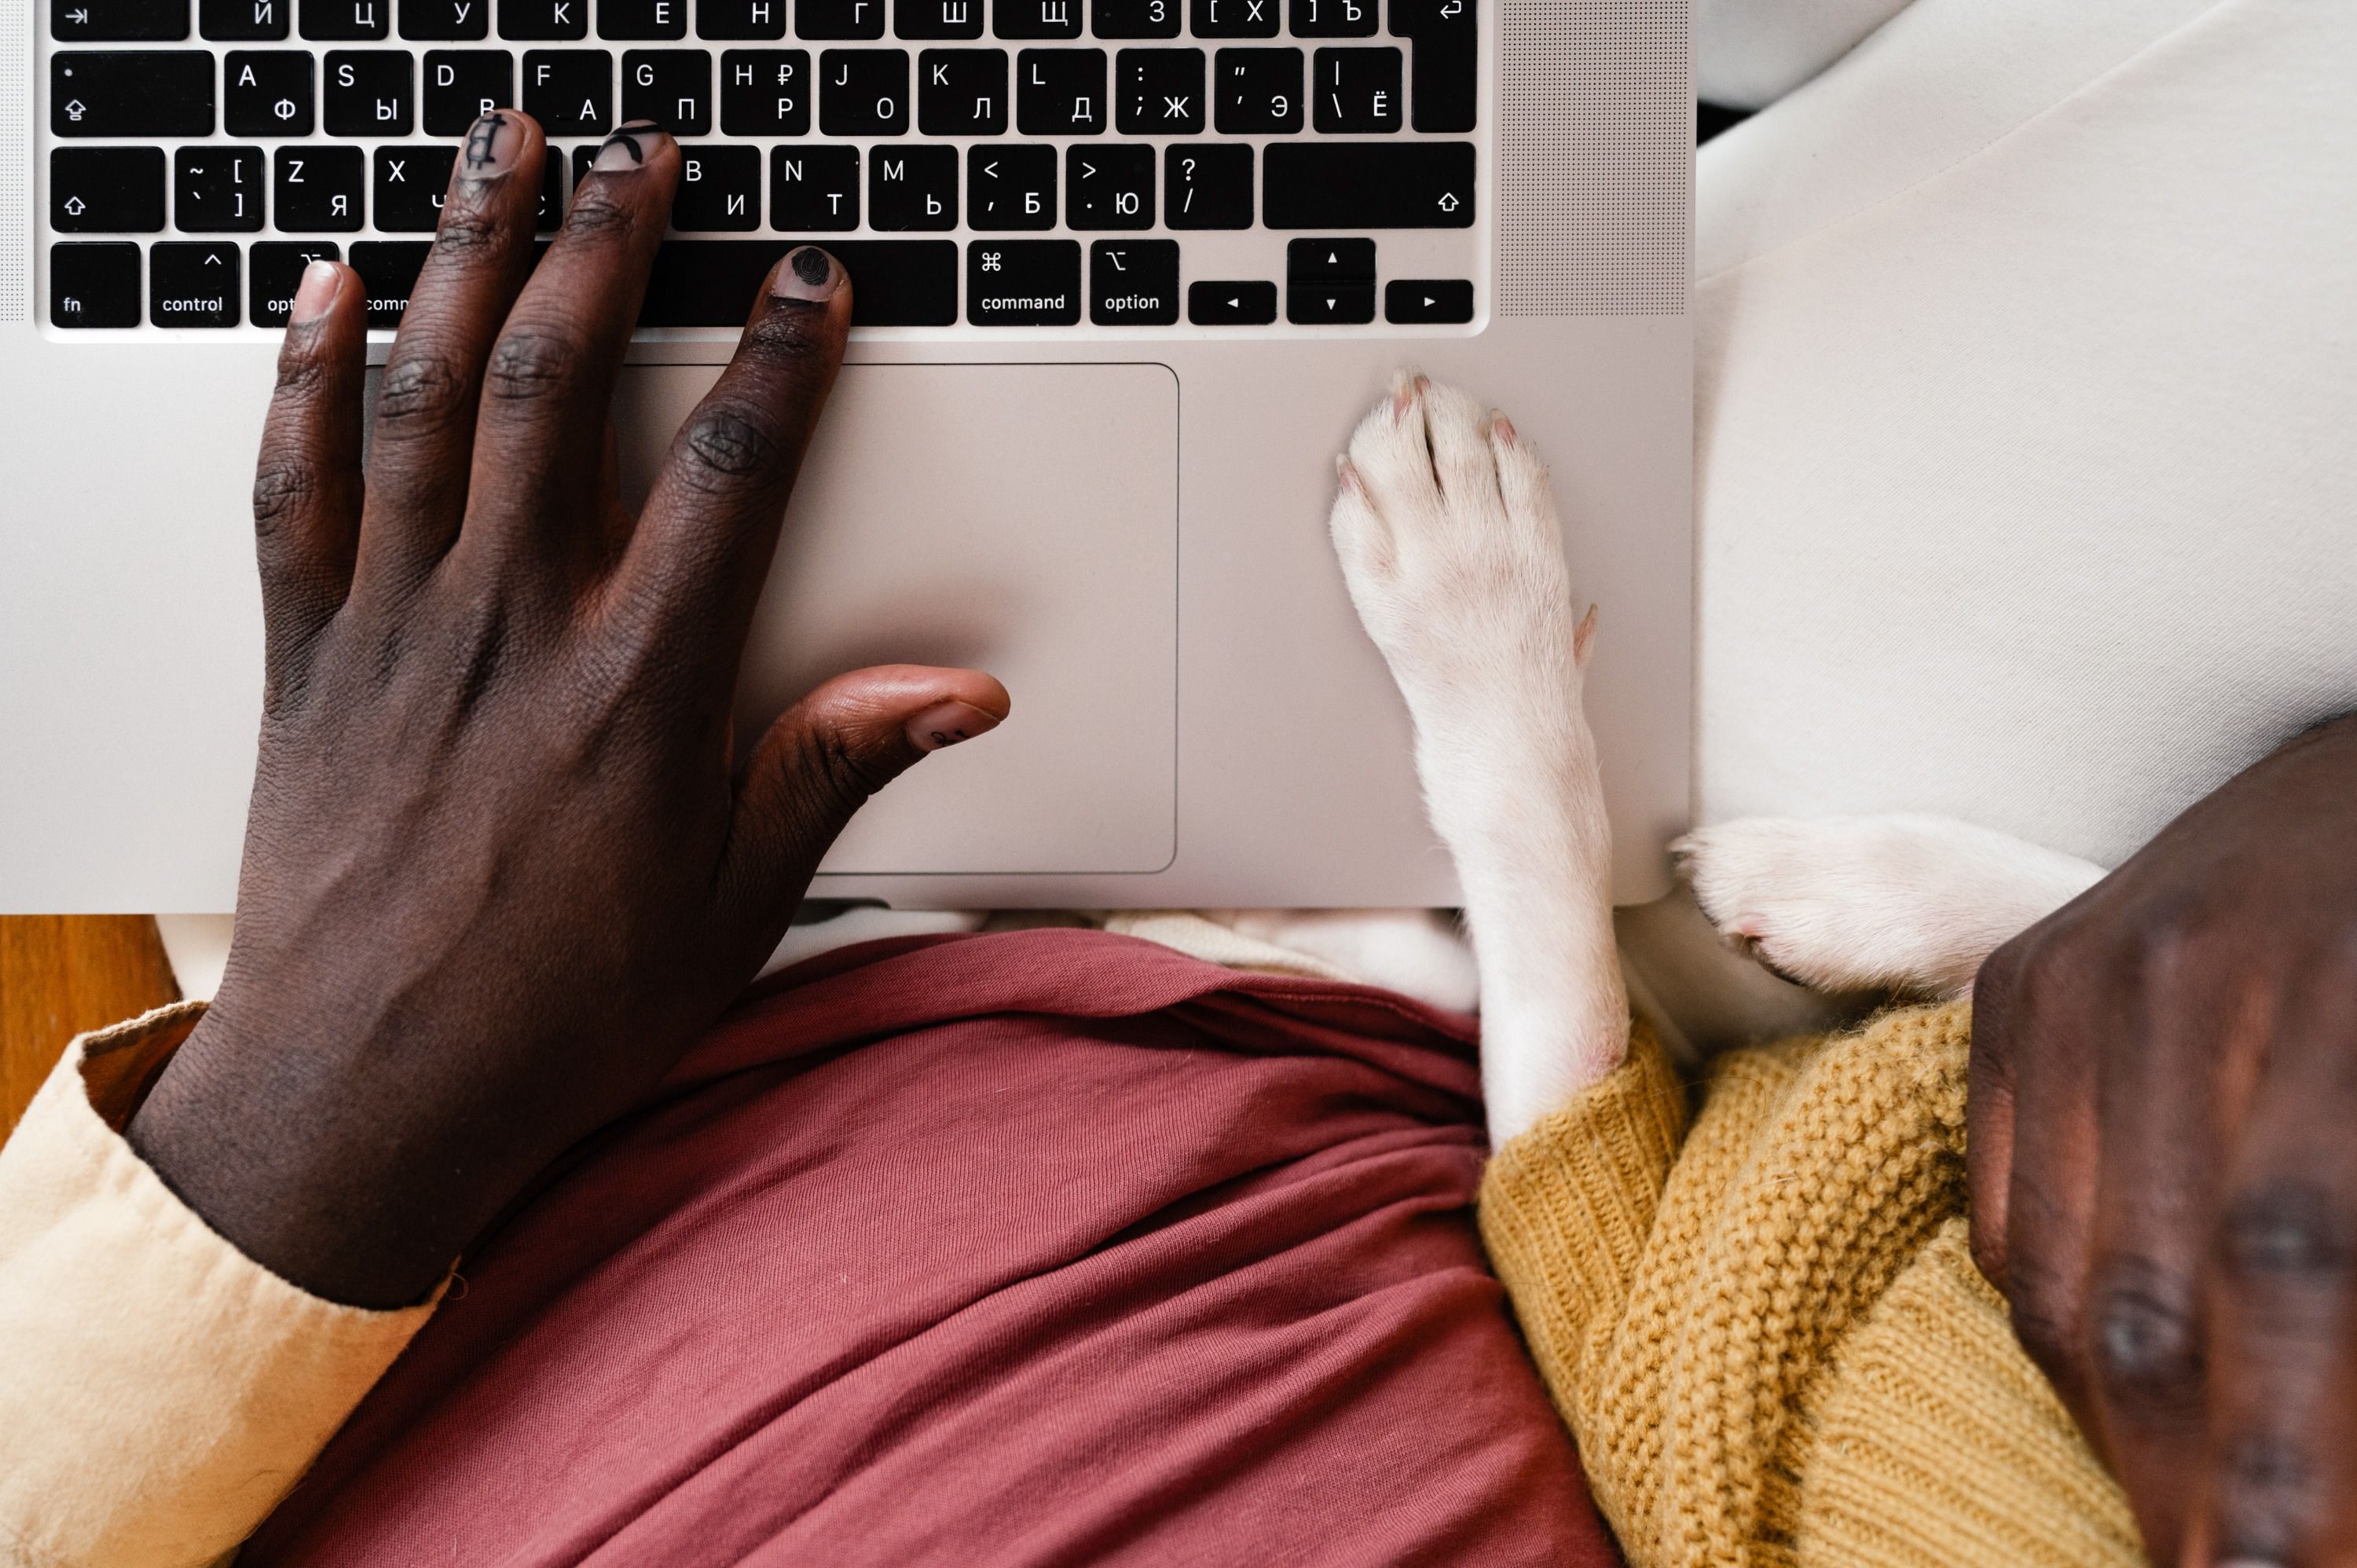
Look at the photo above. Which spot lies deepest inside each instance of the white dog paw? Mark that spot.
(1911, 903)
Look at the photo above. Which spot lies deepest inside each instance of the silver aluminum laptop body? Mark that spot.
(1087, 459)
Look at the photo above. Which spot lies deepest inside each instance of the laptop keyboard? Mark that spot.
(1196, 166)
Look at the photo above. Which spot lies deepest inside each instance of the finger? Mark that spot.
(550, 381)
(2282, 1303)
(425, 403)
(306, 484)
(1989, 1104)
(824, 756)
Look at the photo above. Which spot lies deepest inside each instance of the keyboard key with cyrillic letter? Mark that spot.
(962, 92)
(1060, 92)
(194, 282)
(266, 92)
(1158, 92)
(410, 184)
(1036, 18)
(1234, 18)
(1333, 18)
(134, 92)
(569, 91)
(459, 21)
(544, 21)
(1134, 19)
(1011, 186)
(671, 87)
(367, 93)
(1257, 92)
(863, 92)
(1108, 187)
(106, 190)
(464, 85)
(937, 18)
(1022, 283)
(1368, 185)
(342, 21)
(244, 21)
(814, 187)
(719, 188)
(741, 18)
(94, 283)
(833, 19)
(765, 93)
(655, 20)
(913, 188)
(318, 188)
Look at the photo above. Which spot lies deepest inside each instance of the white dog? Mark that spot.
(1447, 536)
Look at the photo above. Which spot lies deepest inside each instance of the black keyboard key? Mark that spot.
(671, 87)
(194, 282)
(1206, 184)
(410, 184)
(1257, 92)
(894, 283)
(863, 92)
(1109, 186)
(544, 20)
(1212, 303)
(1329, 303)
(318, 189)
(388, 270)
(741, 18)
(369, 94)
(1036, 18)
(569, 91)
(106, 190)
(1356, 91)
(655, 20)
(1134, 283)
(217, 191)
(839, 18)
(1158, 92)
(1134, 19)
(1234, 18)
(135, 92)
(765, 93)
(464, 85)
(342, 21)
(1060, 92)
(94, 283)
(1331, 19)
(457, 21)
(962, 92)
(913, 188)
(1444, 68)
(1011, 186)
(719, 189)
(1330, 261)
(274, 270)
(550, 211)
(814, 189)
(937, 18)
(118, 21)
(244, 21)
(1022, 283)
(1427, 302)
(266, 92)
(1369, 185)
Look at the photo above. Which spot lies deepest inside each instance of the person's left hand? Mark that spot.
(500, 865)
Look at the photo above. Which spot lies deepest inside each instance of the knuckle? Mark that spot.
(725, 446)
(469, 231)
(532, 364)
(2147, 1340)
(834, 774)
(597, 215)
(302, 372)
(283, 487)
(2269, 1492)
(420, 388)
(2285, 1231)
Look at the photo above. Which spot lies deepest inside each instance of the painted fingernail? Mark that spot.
(491, 146)
(321, 280)
(809, 274)
(626, 150)
(946, 723)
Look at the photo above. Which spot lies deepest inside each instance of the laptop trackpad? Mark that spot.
(1018, 519)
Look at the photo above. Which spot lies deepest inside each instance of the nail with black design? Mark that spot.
(491, 146)
(809, 274)
(626, 149)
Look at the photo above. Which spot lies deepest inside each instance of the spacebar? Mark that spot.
(711, 283)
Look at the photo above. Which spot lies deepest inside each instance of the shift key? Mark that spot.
(1367, 184)
(132, 92)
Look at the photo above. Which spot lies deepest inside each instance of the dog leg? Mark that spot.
(1448, 540)
(1908, 903)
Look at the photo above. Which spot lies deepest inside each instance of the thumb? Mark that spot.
(823, 757)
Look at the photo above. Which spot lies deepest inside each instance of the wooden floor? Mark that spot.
(61, 975)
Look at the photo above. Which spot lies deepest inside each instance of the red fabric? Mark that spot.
(1051, 1246)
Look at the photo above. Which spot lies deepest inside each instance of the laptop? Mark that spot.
(1127, 272)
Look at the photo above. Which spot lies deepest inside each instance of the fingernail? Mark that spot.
(946, 723)
(315, 293)
(809, 274)
(491, 145)
(626, 150)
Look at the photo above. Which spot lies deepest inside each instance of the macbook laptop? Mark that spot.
(1126, 273)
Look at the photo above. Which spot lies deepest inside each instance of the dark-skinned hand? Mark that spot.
(500, 865)
(2163, 1164)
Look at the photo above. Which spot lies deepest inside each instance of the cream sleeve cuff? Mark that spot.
(159, 1391)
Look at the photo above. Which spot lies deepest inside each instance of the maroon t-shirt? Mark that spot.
(1051, 1246)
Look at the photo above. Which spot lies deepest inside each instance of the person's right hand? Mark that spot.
(501, 865)
(2163, 1163)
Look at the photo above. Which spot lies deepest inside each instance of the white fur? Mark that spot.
(1416, 952)
(1906, 903)
(1447, 537)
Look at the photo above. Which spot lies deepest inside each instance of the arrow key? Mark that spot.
(193, 283)
(106, 190)
(1243, 303)
(1427, 302)
(1329, 303)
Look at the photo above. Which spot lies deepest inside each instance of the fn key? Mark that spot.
(94, 285)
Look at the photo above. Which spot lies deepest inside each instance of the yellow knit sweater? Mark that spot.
(1767, 1332)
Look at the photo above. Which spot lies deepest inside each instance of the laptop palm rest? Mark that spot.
(1018, 519)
